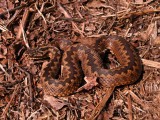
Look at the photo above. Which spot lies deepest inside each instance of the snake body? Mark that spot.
(79, 58)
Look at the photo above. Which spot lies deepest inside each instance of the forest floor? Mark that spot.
(35, 23)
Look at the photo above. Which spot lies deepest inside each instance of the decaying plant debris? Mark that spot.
(36, 23)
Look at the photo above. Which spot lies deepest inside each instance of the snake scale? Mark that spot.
(79, 59)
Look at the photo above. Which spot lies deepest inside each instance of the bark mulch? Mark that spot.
(33, 24)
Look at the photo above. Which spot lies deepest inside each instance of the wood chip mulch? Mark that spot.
(33, 24)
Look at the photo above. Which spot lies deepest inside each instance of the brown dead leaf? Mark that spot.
(90, 83)
(10, 4)
(125, 3)
(7, 35)
(2, 5)
(91, 27)
(146, 34)
(98, 4)
(139, 1)
(3, 51)
(64, 1)
(154, 32)
(66, 14)
(157, 41)
(54, 102)
(2, 56)
(2, 89)
(34, 69)
(95, 4)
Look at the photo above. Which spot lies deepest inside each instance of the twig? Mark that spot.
(9, 103)
(67, 15)
(2, 68)
(137, 13)
(9, 22)
(144, 3)
(129, 107)
(151, 63)
(156, 18)
(23, 23)
(98, 35)
(10, 84)
(40, 13)
(100, 106)
(138, 100)
(16, 8)
(50, 9)
(3, 28)
(72, 19)
(34, 114)
(29, 76)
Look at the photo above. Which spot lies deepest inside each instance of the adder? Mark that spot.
(79, 59)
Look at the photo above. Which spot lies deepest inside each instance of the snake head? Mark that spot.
(62, 44)
(45, 52)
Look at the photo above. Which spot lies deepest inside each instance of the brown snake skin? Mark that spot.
(79, 58)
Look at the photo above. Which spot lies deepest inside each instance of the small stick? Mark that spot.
(143, 3)
(72, 19)
(40, 13)
(100, 106)
(16, 8)
(2, 68)
(67, 15)
(30, 78)
(151, 63)
(137, 13)
(130, 116)
(9, 103)
(11, 84)
(22, 23)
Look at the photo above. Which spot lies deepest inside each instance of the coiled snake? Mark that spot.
(79, 58)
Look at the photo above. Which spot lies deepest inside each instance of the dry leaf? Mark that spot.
(90, 83)
(146, 34)
(157, 41)
(2, 56)
(54, 102)
(64, 1)
(139, 1)
(3, 5)
(3, 49)
(98, 4)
